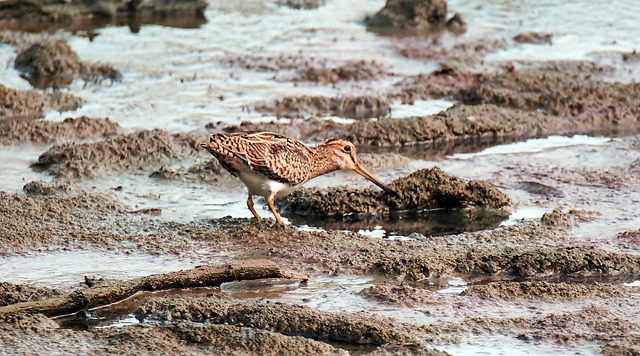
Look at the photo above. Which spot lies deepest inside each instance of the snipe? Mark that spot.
(273, 165)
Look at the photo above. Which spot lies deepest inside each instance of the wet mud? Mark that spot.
(546, 280)
(143, 150)
(357, 107)
(15, 132)
(54, 64)
(32, 104)
(423, 189)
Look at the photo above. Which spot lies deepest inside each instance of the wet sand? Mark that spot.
(503, 236)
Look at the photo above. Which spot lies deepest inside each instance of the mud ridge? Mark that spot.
(34, 104)
(356, 107)
(14, 132)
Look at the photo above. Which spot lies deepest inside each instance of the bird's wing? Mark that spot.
(276, 156)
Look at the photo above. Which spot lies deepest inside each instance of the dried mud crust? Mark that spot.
(14, 132)
(143, 150)
(53, 63)
(423, 189)
(356, 107)
(34, 104)
(355, 328)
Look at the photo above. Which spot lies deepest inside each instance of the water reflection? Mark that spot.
(410, 223)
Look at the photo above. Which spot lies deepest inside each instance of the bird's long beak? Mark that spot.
(365, 173)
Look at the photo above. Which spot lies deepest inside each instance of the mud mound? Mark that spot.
(43, 132)
(423, 189)
(54, 64)
(534, 38)
(357, 328)
(557, 218)
(357, 70)
(457, 121)
(17, 293)
(410, 14)
(39, 187)
(446, 81)
(357, 107)
(589, 102)
(142, 150)
(34, 104)
(49, 64)
(196, 338)
(543, 290)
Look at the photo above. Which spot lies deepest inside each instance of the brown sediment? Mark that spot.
(356, 70)
(150, 150)
(355, 107)
(356, 328)
(300, 129)
(423, 189)
(14, 132)
(302, 4)
(419, 15)
(629, 239)
(580, 101)
(52, 63)
(444, 82)
(77, 14)
(545, 291)
(19, 293)
(403, 295)
(111, 292)
(197, 338)
(557, 218)
(534, 38)
(457, 121)
(34, 104)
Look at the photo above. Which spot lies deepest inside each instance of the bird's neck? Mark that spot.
(321, 162)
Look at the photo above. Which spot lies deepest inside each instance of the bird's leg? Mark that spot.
(250, 206)
(270, 202)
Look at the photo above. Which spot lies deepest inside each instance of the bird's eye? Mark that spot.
(347, 148)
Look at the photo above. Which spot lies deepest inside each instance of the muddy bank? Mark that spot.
(77, 14)
(53, 63)
(140, 151)
(545, 291)
(13, 132)
(402, 295)
(424, 189)
(356, 328)
(356, 107)
(18, 293)
(582, 102)
(34, 104)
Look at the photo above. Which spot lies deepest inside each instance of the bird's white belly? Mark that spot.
(258, 184)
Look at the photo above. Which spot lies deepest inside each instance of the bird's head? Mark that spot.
(343, 153)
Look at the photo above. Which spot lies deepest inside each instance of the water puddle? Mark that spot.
(409, 225)
(538, 145)
(497, 344)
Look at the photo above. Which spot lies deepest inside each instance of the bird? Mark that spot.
(273, 165)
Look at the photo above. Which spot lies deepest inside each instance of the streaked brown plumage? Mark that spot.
(273, 165)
